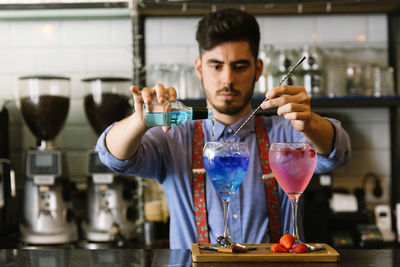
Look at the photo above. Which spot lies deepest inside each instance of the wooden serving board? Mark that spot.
(264, 254)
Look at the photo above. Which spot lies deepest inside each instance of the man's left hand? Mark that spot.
(293, 103)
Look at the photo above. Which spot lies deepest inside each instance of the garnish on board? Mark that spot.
(287, 244)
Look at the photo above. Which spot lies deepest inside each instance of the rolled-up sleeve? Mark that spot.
(149, 160)
(116, 165)
(341, 150)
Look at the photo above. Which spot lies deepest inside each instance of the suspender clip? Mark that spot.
(268, 176)
(199, 171)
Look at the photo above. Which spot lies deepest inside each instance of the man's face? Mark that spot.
(228, 73)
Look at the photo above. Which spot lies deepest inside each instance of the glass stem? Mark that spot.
(295, 234)
(226, 217)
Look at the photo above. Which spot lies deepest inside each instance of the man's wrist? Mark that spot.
(320, 134)
(138, 122)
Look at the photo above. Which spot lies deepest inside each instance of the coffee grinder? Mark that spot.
(47, 217)
(112, 200)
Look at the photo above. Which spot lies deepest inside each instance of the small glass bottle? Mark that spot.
(173, 113)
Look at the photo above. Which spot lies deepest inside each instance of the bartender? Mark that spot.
(228, 67)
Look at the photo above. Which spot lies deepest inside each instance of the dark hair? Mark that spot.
(228, 25)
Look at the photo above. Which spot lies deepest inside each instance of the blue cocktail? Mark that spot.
(226, 165)
(226, 173)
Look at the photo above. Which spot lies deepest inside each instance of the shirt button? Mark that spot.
(230, 130)
(235, 216)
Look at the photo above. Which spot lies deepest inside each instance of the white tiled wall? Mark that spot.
(81, 48)
(75, 48)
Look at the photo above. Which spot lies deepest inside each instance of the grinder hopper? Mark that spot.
(107, 100)
(44, 104)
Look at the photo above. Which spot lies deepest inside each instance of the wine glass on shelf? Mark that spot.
(293, 165)
(226, 165)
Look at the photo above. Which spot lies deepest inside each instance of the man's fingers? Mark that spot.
(146, 94)
(165, 128)
(292, 107)
(172, 93)
(303, 116)
(285, 99)
(284, 94)
(137, 96)
(135, 90)
(160, 92)
(284, 90)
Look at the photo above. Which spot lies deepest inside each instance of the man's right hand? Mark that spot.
(123, 139)
(146, 95)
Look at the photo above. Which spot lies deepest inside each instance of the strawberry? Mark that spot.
(287, 240)
(299, 248)
(278, 248)
(311, 153)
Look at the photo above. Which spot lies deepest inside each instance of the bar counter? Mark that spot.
(168, 257)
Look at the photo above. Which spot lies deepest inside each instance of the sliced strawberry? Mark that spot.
(311, 153)
(287, 240)
(299, 248)
(278, 248)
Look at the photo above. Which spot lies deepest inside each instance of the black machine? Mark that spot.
(8, 192)
(345, 229)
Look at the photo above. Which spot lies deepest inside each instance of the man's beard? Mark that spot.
(228, 108)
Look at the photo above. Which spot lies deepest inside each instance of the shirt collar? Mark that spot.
(220, 128)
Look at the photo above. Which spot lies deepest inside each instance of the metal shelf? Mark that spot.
(201, 7)
(266, 7)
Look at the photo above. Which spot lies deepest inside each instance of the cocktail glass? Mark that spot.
(293, 165)
(226, 165)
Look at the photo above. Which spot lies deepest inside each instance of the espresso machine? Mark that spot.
(47, 217)
(112, 200)
(8, 191)
(8, 199)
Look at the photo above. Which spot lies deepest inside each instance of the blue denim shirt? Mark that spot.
(167, 157)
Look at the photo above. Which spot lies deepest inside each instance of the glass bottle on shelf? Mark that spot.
(286, 60)
(311, 69)
(269, 57)
(179, 79)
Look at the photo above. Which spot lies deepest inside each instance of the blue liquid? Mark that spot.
(226, 173)
(173, 118)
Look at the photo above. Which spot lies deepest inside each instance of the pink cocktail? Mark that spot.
(293, 165)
